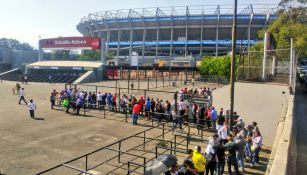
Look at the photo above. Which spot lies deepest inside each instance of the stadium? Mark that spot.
(176, 31)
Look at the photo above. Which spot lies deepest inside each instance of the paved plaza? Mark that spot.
(32, 145)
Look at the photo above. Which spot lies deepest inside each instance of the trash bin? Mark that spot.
(173, 84)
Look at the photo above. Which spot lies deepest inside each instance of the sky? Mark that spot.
(26, 20)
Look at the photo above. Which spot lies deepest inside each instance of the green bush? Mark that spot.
(218, 66)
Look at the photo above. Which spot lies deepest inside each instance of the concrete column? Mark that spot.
(102, 70)
(144, 39)
(264, 56)
(171, 46)
(103, 51)
(217, 35)
(131, 40)
(157, 40)
(186, 37)
(118, 40)
(108, 40)
(40, 51)
(201, 35)
(249, 31)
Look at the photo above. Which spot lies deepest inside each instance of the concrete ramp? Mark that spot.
(17, 70)
(255, 102)
(89, 76)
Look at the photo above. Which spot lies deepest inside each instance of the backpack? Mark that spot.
(65, 102)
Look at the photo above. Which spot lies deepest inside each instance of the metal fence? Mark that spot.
(271, 66)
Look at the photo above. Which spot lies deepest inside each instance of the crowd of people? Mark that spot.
(227, 147)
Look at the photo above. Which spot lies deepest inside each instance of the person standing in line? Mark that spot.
(220, 154)
(220, 121)
(99, 99)
(104, 100)
(52, 100)
(256, 147)
(194, 112)
(147, 107)
(22, 96)
(174, 170)
(231, 148)
(199, 160)
(201, 116)
(210, 154)
(181, 107)
(135, 114)
(110, 104)
(213, 118)
(188, 165)
(32, 108)
(208, 117)
(223, 133)
(240, 151)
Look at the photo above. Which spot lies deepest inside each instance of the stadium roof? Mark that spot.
(182, 11)
(66, 64)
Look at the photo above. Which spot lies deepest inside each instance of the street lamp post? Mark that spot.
(233, 62)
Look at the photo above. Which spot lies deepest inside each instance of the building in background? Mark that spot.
(176, 31)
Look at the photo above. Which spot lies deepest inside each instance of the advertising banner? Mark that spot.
(71, 43)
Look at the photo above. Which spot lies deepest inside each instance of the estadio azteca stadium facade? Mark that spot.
(176, 31)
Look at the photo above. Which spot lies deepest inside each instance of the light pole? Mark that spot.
(233, 62)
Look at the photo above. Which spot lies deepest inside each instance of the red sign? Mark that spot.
(71, 43)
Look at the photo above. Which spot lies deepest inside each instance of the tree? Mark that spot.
(14, 44)
(290, 24)
(60, 55)
(90, 55)
(282, 2)
(218, 66)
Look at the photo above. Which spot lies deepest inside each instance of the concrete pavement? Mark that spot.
(255, 102)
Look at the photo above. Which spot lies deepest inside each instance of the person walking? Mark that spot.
(177, 119)
(32, 108)
(22, 96)
(17, 88)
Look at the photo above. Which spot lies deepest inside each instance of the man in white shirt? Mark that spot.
(223, 133)
(31, 107)
(99, 99)
(22, 96)
(181, 106)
